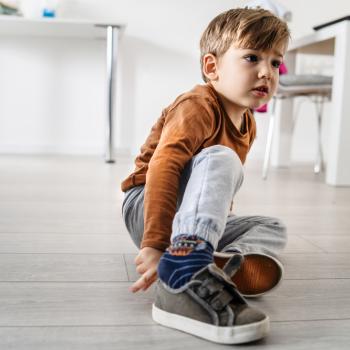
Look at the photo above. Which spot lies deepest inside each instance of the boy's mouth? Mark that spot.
(261, 91)
(262, 88)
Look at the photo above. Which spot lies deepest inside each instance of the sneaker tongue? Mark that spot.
(233, 264)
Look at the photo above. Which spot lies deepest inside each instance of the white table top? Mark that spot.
(53, 27)
(319, 42)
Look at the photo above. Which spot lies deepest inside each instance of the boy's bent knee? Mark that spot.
(221, 149)
(281, 226)
(227, 154)
(281, 231)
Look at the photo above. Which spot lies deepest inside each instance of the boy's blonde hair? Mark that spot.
(257, 29)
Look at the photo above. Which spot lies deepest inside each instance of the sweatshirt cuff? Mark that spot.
(160, 245)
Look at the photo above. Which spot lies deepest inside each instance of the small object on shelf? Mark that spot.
(8, 8)
(49, 8)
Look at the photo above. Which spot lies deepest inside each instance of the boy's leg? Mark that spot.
(253, 234)
(132, 211)
(208, 184)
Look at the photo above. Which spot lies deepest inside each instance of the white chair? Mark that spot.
(316, 87)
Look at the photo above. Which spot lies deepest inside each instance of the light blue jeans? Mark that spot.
(207, 188)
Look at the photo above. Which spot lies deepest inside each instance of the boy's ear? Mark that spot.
(210, 68)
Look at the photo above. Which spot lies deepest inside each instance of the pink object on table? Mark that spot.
(282, 70)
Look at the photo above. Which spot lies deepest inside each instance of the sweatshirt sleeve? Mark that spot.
(186, 128)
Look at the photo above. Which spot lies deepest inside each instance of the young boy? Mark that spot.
(178, 201)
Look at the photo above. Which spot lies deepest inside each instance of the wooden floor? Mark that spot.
(66, 260)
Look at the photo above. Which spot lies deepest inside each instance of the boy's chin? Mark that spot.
(258, 104)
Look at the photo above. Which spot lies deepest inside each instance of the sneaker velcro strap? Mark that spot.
(217, 288)
(212, 270)
(209, 287)
(221, 300)
(214, 291)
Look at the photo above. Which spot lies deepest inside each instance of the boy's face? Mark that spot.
(246, 78)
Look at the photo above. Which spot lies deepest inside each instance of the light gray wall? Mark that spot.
(52, 91)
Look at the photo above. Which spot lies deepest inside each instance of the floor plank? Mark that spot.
(90, 225)
(69, 304)
(316, 266)
(300, 300)
(66, 243)
(331, 243)
(63, 268)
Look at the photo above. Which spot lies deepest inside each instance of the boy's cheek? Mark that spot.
(273, 90)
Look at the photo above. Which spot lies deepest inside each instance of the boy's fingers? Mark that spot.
(137, 285)
(141, 269)
(149, 283)
(142, 282)
(153, 277)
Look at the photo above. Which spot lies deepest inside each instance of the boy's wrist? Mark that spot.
(162, 246)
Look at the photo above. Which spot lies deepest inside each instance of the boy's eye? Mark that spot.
(276, 64)
(252, 58)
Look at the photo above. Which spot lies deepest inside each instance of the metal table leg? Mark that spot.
(112, 50)
(111, 63)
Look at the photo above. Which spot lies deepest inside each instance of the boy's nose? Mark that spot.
(264, 75)
(264, 72)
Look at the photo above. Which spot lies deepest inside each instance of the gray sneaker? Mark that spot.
(209, 306)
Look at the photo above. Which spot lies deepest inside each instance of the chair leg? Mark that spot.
(269, 141)
(319, 165)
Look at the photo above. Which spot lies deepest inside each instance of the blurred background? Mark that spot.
(52, 90)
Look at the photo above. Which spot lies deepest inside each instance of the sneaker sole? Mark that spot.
(223, 335)
(257, 275)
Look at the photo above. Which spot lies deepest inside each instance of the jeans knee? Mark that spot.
(281, 226)
(220, 149)
(281, 229)
(227, 155)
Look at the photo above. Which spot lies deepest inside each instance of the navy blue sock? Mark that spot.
(186, 255)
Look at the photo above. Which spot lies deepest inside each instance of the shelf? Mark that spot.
(53, 27)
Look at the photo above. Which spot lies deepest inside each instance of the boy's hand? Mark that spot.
(146, 265)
